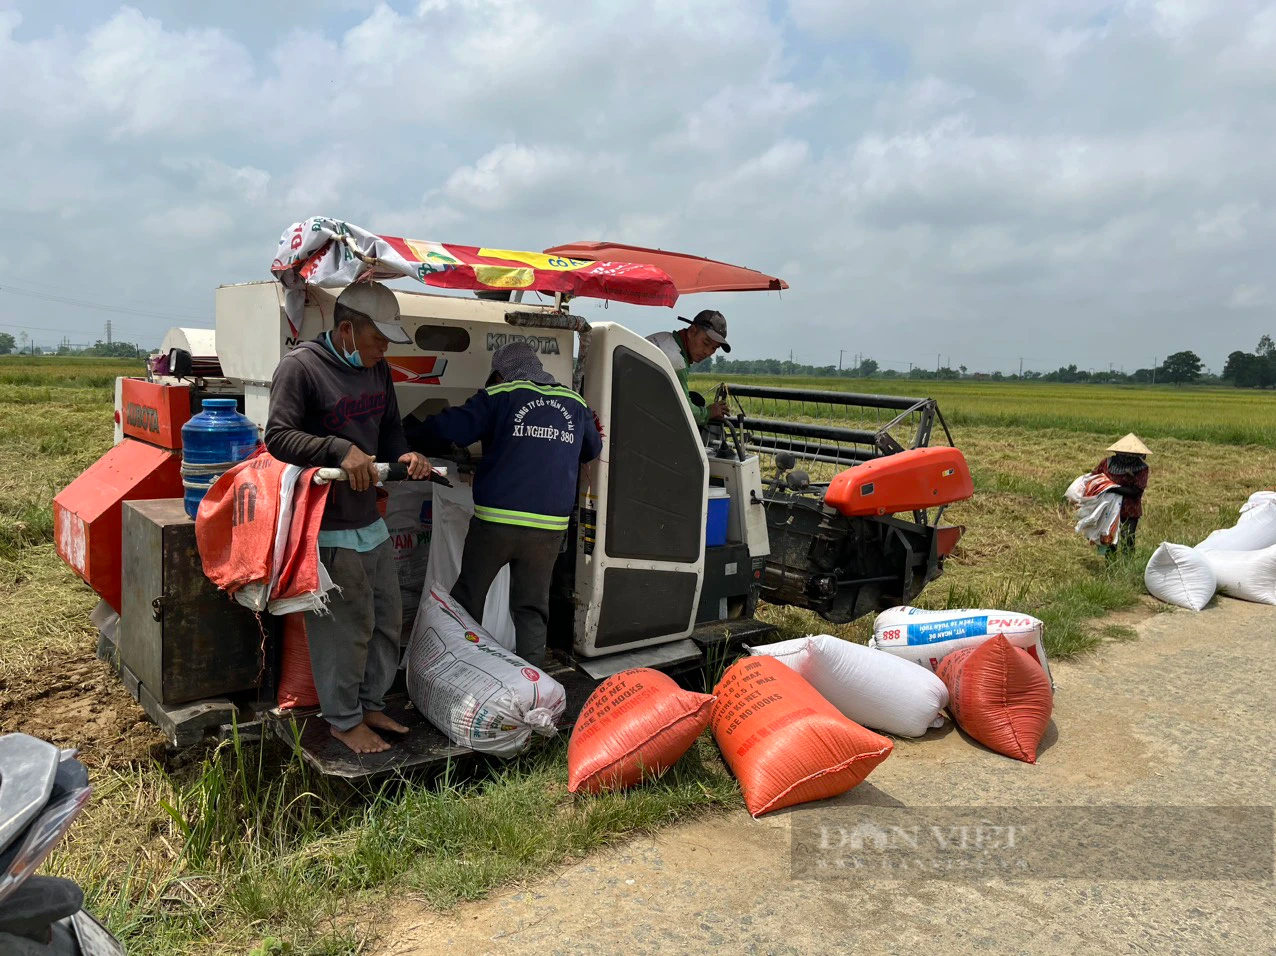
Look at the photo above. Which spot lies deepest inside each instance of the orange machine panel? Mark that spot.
(154, 413)
(86, 514)
(908, 481)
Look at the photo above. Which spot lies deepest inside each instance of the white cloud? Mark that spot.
(966, 177)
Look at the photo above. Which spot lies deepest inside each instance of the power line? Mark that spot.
(102, 307)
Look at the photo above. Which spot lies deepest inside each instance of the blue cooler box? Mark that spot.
(715, 530)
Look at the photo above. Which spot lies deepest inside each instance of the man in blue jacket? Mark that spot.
(535, 434)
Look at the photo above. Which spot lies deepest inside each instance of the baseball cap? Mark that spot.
(714, 325)
(379, 304)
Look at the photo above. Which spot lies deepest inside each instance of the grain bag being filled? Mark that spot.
(1179, 575)
(880, 691)
(468, 686)
(450, 522)
(408, 518)
(927, 637)
(784, 742)
(1248, 575)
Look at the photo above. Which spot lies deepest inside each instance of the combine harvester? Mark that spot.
(637, 585)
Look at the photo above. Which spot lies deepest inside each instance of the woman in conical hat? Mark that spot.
(1127, 466)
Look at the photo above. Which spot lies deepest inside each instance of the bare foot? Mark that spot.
(361, 739)
(379, 720)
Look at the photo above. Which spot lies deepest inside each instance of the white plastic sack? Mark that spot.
(1179, 575)
(878, 690)
(453, 508)
(408, 518)
(1257, 500)
(1076, 491)
(1248, 575)
(475, 691)
(1098, 515)
(1255, 531)
(1099, 518)
(927, 637)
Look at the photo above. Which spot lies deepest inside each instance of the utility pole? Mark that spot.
(1153, 369)
(108, 331)
(936, 366)
(1021, 366)
(840, 353)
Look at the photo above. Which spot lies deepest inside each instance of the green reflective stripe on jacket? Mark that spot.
(556, 391)
(524, 519)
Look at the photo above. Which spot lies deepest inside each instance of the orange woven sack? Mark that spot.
(634, 727)
(296, 682)
(999, 694)
(784, 742)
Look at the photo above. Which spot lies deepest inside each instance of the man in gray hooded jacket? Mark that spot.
(332, 404)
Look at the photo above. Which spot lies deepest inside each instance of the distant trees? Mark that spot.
(1255, 369)
(113, 350)
(1182, 368)
(7, 342)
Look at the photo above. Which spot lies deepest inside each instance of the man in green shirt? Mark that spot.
(702, 337)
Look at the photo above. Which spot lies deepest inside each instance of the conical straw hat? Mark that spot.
(1130, 445)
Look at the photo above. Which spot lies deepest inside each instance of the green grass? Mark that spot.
(265, 843)
(244, 844)
(1213, 414)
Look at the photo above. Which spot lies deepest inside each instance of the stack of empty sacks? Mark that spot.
(1239, 562)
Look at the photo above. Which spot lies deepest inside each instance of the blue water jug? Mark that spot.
(213, 441)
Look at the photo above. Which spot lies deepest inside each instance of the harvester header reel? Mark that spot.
(798, 421)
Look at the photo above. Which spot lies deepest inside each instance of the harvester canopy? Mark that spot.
(690, 273)
(330, 252)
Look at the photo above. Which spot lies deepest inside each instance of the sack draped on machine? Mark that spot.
(635, 725)
(257, 530)
(477, 693)
(880, 691)
(784, 742)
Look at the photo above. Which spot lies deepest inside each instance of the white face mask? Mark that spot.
(353, 359)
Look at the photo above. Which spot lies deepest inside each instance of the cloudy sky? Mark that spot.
(1058, 180)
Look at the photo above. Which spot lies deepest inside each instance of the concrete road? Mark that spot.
(1181, 717)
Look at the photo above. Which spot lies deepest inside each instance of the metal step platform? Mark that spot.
(422, 748)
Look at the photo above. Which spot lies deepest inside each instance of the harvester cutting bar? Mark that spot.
(826, 398)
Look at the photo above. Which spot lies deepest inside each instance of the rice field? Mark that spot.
(1212, 414)
(237, 848)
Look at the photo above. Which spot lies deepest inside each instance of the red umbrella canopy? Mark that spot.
(689, 273)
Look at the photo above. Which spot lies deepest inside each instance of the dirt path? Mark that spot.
(1182, 716)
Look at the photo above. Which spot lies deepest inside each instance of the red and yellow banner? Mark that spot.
(329, 252)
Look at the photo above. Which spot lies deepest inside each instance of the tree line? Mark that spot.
(1255, 369)
(1243, 370)
(9, 345)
